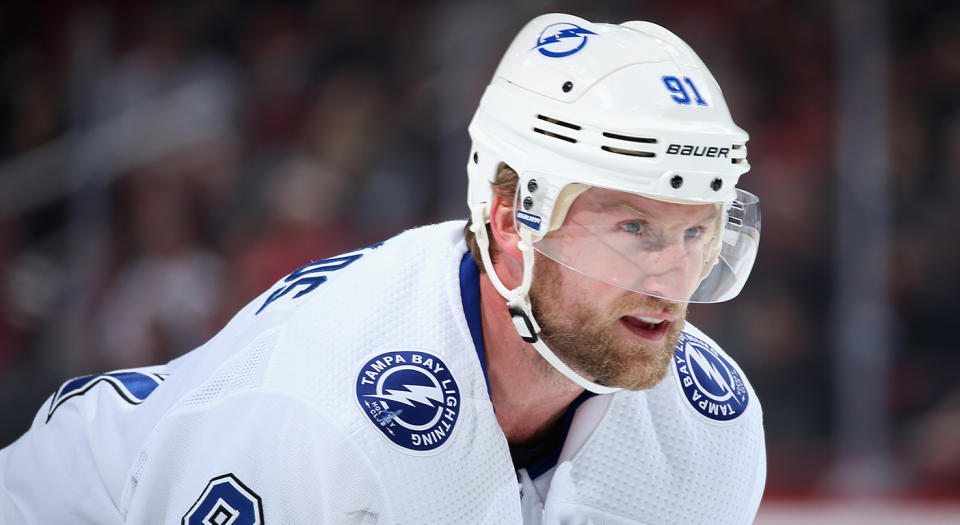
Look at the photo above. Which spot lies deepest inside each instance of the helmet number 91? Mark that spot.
(680, 94)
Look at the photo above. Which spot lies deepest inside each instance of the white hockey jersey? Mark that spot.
(354, 391)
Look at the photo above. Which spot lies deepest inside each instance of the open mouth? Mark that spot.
(649, 328)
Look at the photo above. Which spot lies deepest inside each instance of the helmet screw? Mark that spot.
(676, 181)
(527, 203)
(532, 185)
(476, 158)
(567, 86)
(716, 184)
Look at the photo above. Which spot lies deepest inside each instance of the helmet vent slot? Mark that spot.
(644, 140)
(558, 122)
(555, 135)
(631, 152)
(736, 161)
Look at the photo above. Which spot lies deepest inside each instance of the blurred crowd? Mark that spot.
(164, 163)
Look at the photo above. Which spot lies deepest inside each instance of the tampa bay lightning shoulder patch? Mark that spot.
(411, 397)
(709, 381)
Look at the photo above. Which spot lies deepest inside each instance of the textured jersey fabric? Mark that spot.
(650, 458)
(308, 407)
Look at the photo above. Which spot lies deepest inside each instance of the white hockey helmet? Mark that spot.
(576, 105)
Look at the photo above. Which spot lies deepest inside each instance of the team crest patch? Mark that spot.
(711, 384)
(411, 397)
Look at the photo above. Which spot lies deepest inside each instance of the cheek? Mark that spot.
(592, 296)
(570, 301)
(583, 296)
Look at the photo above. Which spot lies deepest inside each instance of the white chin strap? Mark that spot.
(518, 299)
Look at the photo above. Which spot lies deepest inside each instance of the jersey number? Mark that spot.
(225, 500)
(309, 277)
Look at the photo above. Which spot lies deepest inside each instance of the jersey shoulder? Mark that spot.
(303, 340)
(715, 386)
(401, 298)
(375, 345)
(699, 432)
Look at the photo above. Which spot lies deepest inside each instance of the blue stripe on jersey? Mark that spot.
(133, 387)
(75, 384)
(548, 461)
(470, 297)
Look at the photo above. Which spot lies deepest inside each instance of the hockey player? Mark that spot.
(533, 366)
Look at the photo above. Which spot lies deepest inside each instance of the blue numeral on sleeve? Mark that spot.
(310, 277)
(225, 500)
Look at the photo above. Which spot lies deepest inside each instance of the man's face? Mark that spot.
(618, 337)
(602, 331)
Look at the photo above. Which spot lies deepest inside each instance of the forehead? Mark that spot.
(616, 204)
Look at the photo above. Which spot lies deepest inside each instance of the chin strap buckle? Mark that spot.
(523, 325)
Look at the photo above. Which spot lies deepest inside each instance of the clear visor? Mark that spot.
(698, 253)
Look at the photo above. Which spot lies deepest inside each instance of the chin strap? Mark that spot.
(518, 299)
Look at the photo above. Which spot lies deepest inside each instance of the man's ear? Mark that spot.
(503, 229)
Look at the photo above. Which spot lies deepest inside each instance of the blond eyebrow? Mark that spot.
(713, 215)
(632, 209)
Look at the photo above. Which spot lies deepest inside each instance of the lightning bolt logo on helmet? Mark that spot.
(411, 398)
(710, 383)
(562, 39)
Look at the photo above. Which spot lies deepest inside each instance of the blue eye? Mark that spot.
(634, 227)
(693, 233)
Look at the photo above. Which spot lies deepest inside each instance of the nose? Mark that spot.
(667, 272)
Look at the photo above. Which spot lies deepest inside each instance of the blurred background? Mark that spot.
(162, 163)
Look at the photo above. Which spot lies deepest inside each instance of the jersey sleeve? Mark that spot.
(254, 457)
(53, 473)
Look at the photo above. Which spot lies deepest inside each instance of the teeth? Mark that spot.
(650, 320)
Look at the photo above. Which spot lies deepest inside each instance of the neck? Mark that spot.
(529, 395)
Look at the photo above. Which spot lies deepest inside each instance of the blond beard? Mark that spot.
(582, 335)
